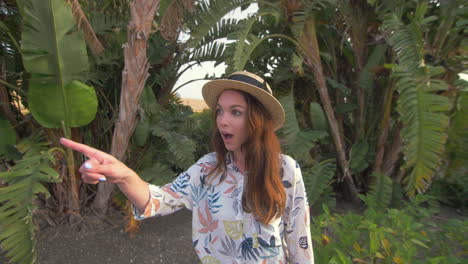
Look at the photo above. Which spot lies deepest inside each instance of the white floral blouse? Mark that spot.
(221, 231)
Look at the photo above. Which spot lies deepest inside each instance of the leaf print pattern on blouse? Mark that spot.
(210, 260)
(230, 248)
(231, 180)
(287, 184)
(180, 184)
(209, 225)
(213, 200)
(247, 249)
(198, 193)
(233, 229)
(156, 205)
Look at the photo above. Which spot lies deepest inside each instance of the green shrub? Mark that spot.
(407, 235)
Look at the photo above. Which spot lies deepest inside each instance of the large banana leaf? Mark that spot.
(54, 53)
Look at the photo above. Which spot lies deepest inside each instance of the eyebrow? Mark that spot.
(232, 106)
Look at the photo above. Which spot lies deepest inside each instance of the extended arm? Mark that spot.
(104, 167)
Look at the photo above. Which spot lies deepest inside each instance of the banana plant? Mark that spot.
(54, 55)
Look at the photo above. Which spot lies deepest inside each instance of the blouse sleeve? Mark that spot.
(170, 198)
(298, 237)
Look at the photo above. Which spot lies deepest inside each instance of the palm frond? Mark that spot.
(103, 23)
(17, 231)
(421, 109)
(207, 18)
(244, 45)
(210, 51)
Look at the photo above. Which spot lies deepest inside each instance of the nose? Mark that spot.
(223, 119)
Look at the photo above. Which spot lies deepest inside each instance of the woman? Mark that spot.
(247, 199)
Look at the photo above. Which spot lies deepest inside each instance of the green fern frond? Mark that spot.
(380, 195)
(421, 109)
(17, 231)
(298, 142)
(317, 181)
(180, 146)
(158, 174)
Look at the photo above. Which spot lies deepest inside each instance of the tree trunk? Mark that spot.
(308, 46)
(4, 97)
(90, 36)
(134, 76)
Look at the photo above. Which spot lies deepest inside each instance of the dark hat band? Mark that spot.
(249, 80)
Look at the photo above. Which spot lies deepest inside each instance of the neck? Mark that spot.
(239, 160)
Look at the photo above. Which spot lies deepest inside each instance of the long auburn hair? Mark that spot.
(264, 194)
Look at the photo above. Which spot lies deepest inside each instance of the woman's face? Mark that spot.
(231, 120)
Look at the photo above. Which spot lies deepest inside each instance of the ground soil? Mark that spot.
(165, 239)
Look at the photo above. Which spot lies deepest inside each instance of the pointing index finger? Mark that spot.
(84, 149)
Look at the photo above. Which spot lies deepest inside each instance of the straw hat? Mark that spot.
(251, 84)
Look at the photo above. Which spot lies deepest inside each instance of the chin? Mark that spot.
(230, 148)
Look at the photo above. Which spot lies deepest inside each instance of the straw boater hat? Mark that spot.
(249, 83)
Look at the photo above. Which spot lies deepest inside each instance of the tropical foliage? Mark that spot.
(376, 110)
(380, 72)
(24, 181)
(405, 235)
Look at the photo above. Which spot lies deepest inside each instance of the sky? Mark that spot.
(193, 89)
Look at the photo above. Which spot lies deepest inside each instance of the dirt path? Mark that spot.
(165, 239)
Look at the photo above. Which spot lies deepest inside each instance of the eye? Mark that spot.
(236, 112)
(218, 111)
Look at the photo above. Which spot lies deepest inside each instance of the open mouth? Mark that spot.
(227, 136)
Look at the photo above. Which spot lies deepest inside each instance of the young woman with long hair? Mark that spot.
(248, 200)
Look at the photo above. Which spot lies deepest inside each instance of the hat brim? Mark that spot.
(213, 89)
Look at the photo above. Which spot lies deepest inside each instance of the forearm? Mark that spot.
(136, 190)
